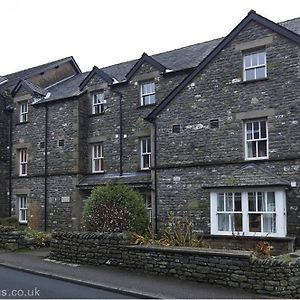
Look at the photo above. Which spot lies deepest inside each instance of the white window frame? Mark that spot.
(97, 158)
(148, 205)
(23, 208)
(280, 211)
(256, 140)
(23, 111)
(98, 103)
(254, 66)
(146, 97)
(23, 162)
(145, 156)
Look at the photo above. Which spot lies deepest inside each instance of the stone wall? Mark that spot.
(276, 276)
(12, 239)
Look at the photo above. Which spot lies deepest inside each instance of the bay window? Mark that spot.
(260, 212)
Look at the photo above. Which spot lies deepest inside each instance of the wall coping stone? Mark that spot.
(194, 250)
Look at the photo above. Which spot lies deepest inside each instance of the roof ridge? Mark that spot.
(281, 22)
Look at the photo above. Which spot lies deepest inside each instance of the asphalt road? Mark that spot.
(19, 285)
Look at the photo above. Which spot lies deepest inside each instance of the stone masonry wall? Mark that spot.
(276, 277)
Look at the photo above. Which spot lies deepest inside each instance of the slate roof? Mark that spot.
(293, 25)
(137, 179)
(30, 87)
(247, 176)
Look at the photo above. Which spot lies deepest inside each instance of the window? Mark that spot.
(22, 202)
(256, 137)
(147, 93)
(148, 204)
(145, 148)
(23, 112)
(23, 162)
(98, 103)
(229, 212)
(97, 158)
(250, 213)
(255, 65)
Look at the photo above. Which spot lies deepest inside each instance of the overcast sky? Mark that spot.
(106, 32)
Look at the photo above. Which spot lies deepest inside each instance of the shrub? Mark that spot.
(115, 208)
(40, 238)
(10, 221)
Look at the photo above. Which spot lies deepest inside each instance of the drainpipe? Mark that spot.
(10, 111)
(121, 131)
(155, 178)
(46, 170)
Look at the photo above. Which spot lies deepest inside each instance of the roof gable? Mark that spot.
(252, 16)
(98, 72)
(145, 58)
(248, 176)
(28, 86)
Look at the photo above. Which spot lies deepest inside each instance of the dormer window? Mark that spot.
(98, 103)
(147, 93)
(23, 112)
(255, 65)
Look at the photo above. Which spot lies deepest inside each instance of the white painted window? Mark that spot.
(147, 93)
(22, 204)
(253, 212)
(23, 162)
(23, 112)
(256, 139)
(145, 153)
(148, 205)
(98, 103)
(255, 65)
(97, 158)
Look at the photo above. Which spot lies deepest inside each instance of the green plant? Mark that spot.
(40, 238)
(10, 221)
(115, 208)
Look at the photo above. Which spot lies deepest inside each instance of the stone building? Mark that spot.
(209, 130)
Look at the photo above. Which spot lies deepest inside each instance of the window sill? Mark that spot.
(97, 173)
(148, 105)
(95, 115)
(257, 158)
(144, 170)
(254, 80)
(22, 123)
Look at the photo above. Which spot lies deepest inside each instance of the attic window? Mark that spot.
(255, 65)
(147, 93)
(176, 129)
(214, 123)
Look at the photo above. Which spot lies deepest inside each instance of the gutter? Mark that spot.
(155, 178)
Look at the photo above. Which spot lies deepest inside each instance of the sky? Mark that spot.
(107, 32)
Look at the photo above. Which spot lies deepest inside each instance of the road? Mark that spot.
(17, 285)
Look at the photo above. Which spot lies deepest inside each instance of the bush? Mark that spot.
(10, 221)
(115, 208)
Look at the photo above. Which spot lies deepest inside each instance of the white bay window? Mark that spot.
(248, 212)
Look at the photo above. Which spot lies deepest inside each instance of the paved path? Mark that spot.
(115, 279)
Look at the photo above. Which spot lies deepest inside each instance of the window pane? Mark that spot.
(261, 201)
(251, 201)
(229, 201)
(254, 58)
(254, 222)
(269, 221)
(260, 72)
(250, 74)
(237, 224)
(144, 146)
(262, 58)
(256, 130)
(223, 222)
(262, 148)
(263, 129)
(249, 131)
(237, 202)
(220, 200)
(271, 201)
(251, 147)
(152, 99)
(247, 60)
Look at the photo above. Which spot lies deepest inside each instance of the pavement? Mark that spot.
(130, 283)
